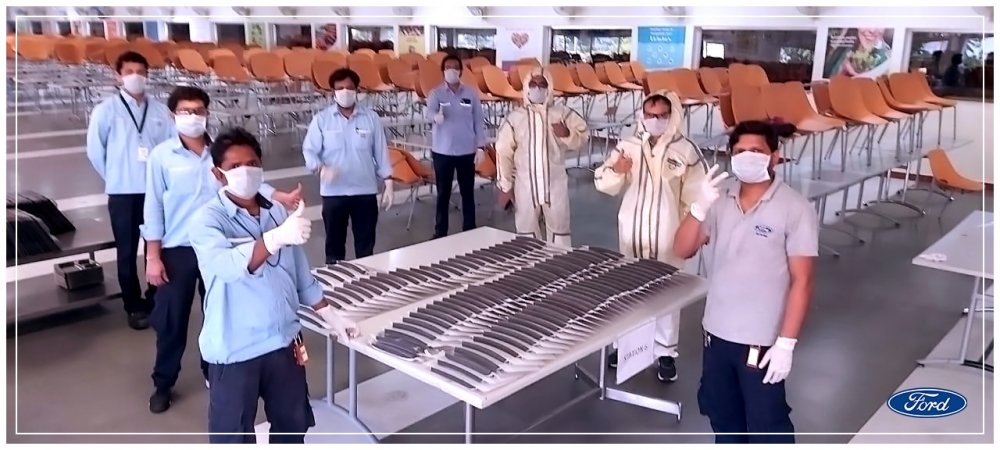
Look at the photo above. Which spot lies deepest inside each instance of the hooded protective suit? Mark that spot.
(659, 189)
(531, 161)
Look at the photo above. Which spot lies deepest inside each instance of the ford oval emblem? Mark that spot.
(927, 402)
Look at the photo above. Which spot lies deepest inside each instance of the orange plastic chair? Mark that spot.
(617, 79)
(710, 81)
(747, 103)
(589, 80)
(498, 85)
(947, 177)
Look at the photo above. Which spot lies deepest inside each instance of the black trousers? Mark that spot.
(172, 313)
(735, 398)
(445, 167)
(126, 217)
(362, 212)
(274, 377)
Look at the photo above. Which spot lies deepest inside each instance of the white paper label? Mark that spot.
(635, 351)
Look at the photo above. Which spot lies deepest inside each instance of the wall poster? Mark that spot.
(411, 40)
(856, 52)
(255, 34)
(326, 36)
(661, 47)
(113, 29)
(514, 44)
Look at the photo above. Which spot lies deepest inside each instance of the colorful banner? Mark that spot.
(326, 36)
(255, 34)
(854, 52)
(411, 40)
(514, 44)
(661, 47)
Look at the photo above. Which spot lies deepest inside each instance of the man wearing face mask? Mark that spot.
(761, 238)
(179, 181)
(122, 130)
(346, 146)
(531, 171)
(459, 135)
(250, 255)
(660, 171)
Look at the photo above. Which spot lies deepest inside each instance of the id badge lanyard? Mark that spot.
(139, 126)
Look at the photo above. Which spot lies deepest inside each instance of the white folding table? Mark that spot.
(968, 250)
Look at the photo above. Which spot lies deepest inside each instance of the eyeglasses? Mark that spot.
(189, 112)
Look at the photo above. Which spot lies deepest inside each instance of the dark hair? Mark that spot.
(130, 57)
(657, 98)
(956, 59)
(452, 57)
(771, 131)
(229, 138)
(187, 93)
(343, 74)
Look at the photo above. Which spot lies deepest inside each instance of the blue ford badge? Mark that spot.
(927, 402)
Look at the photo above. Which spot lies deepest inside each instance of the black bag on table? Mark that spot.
(43, 208)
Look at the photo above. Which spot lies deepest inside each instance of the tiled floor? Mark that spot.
(873, 315)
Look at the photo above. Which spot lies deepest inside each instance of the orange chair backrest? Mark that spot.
(710, 81)
(487, 167)
(228, 67)
(496, 82)
(298, 65)
(821, 95)
(772, 96)
(661, 79)
(412, 59)
(562, 81)
(614, 73)
(747, 103)
(266, 66)
(333, 57)
(723, 74)
(367, 71)
(191, 61)
(401, 74)
(321, 71)
(639, 70)
(401, 170)
(845, 99)
(687, 83)
(871, 95)
(430, 77)
(628, 73)
(588, 77)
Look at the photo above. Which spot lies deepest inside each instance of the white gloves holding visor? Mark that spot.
(337, 325)
(778, 360)
(295, 230)
(708, 193)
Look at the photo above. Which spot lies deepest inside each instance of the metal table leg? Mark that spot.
(352, 381)
(330, 393)
(966, 334)
(470, 422)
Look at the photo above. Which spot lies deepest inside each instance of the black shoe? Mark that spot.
(437, 236)
(159, 401)
(613, 360)
(666, 370)
(138, 320)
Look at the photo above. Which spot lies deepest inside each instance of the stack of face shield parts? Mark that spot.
(485, 336)
(43, 208)
(27, 235)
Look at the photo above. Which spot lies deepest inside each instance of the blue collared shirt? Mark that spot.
(354, 147)
(178, 183)
(463, 130)
(247, 314)
(113, 140)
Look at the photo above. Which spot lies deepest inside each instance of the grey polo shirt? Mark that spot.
(747, 261)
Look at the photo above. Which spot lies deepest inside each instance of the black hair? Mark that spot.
(187, 93)
(452, 57)
(656, 98)
(343, 74)
(229, 138)
(956, 59)
(130, 57)
(771, 131)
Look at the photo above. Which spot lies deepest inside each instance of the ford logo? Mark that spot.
(927, 402)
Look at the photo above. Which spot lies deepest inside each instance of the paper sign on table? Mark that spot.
(635, 351)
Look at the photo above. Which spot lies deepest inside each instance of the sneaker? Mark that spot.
(613, 360)
(138, 320)
(159, 401)
(666, 370)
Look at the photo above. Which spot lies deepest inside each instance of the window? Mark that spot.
(64, 28)
(179, 32)
(232, 33)
(375, 38)
(956, 64)
(785, 55)
(467, 38)
(97, 29)
(36, 28)
(293, 35)
(11, 27)
(134, 30)
(713, 50)
(591, 45)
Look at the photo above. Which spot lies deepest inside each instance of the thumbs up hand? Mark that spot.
(295, 230)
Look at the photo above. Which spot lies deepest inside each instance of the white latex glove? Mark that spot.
(295, 230)
(336, 324)
(708, 193)
(480, 154)
(327, 174)
(388, 195)
(778, 360)
(439, 117)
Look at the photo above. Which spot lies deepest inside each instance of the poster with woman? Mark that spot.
(856, 52)
(411, 39)
(326, 36)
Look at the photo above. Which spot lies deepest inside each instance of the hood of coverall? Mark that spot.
(535, 71)
(673, 123)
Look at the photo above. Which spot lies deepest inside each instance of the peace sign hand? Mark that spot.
(708, 193)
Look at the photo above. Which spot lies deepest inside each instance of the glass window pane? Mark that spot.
(785, 55)
(956, 64)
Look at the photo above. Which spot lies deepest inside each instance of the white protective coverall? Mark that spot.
(659, 189)
(531, 161)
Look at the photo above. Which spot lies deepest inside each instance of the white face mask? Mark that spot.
(191, 125)
(345, 97)
(537, 95)
(134, 83)
(244, 182)
(655, 126)
(751, 167)
(452, 76)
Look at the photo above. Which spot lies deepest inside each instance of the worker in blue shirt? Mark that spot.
(179, 181)
(346, 146)
(458, 136)
(122, 130)
(256, 277)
